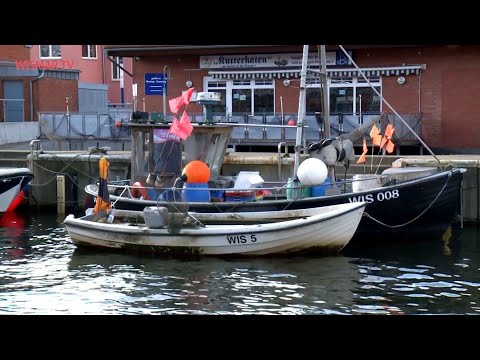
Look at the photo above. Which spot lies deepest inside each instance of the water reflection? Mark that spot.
(283, 286)
(12, 242)
(421, 277)
(42, 272)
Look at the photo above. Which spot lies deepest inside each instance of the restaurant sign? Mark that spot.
(334, 58)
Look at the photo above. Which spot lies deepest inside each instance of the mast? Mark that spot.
(301, 111)
(326, 105)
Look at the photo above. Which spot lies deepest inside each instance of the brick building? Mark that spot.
(40, 78)
(434, 86)
(24, 88)
(94, 67)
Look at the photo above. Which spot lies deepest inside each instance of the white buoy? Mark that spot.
(312, 172)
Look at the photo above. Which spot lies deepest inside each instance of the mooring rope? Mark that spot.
(418, 216)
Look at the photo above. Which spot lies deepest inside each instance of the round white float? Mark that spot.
(312, 172)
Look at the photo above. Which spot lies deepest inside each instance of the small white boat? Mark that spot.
(327, 229)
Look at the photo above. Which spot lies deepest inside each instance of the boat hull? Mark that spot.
(413, 210)
(12, 181)
(328, 232)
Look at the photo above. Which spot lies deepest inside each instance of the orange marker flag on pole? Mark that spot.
(176, 103)
(363, 158)
(375, 135)
(186, 95)
(177, 129)
(103, 198)
(186, 124)
(374, 131)
(390, 146)
(388, 135)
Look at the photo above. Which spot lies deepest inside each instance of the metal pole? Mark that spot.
(122, 86)
(282, 132)
(68, 114)
(165, 90)
(360, 116)
(326, 105)
(301, 110)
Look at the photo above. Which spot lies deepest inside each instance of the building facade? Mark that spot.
(22, 85)
(50, 78)
(94, 67)
(434, 87)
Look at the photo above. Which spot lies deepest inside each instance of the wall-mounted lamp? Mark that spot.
(286, 82)
(188, 84)
(136, 58)
(401, 80)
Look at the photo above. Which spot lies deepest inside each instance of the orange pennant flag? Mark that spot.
(375, 135)
(384, 141)
(363, 158)
(390, 146)
(377, 139)
(388, 135)
(374, 132)
(389, 131)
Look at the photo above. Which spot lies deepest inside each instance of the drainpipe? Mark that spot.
(104, 53)
(31, 93)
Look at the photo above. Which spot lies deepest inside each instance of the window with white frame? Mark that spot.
(50, 52)
(243, 97)
(116, 71)
(219, 87)
(347, 96)
(89, 51)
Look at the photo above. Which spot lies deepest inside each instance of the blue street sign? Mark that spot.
(155, 84)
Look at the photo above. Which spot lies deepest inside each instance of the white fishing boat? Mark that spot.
(327, 230)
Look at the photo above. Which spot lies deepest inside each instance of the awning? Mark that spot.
(336, 72)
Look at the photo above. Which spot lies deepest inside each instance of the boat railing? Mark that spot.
(270, 189)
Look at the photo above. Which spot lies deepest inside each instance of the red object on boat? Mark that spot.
(291, 122)
(17, 201)
(197, 171)
(139, 190)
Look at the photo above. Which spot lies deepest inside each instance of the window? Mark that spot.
(341, 100)
(50, 52)
(263, 101)
(243, 97)
(347, 96)
(116, 71)
(370, 102)
(219, 87)
(314, 100)
(241, 101)
(89, 51)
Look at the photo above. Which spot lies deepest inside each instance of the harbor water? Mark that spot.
(42, 272)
